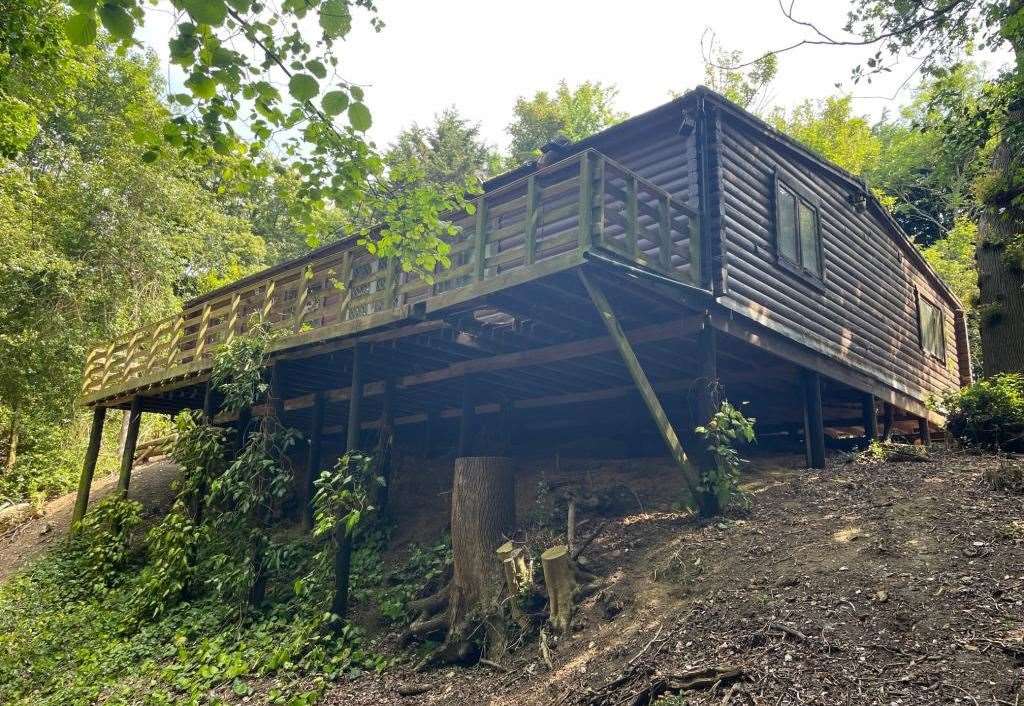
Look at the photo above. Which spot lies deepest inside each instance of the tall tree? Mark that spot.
(830, 128)
(450, 150)
(574, 113)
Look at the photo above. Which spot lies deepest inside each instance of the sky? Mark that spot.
(481, 56)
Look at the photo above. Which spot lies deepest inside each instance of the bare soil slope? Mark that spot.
(889, 583)
(151, 485)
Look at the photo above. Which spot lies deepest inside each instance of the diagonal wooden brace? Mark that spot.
(629, 357)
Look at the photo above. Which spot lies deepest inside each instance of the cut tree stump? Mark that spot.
(559, 578)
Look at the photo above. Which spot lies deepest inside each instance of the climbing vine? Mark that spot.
(723, 433)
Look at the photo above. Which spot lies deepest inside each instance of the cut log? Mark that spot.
(560, 581)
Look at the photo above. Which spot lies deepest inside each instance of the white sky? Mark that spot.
(480, 56)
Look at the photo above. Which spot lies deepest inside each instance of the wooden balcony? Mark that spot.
(530, 228)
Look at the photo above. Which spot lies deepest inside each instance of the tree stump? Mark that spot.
(560, 581)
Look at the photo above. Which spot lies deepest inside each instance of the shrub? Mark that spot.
(989, 414)
(104, 539)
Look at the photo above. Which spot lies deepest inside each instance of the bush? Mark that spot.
(989, 414)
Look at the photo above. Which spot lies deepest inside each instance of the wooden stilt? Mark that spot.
(355, 402)
(313, 459)
(924, 432)
(277, 391)
(814, 429)
(888, 419)
(385, 442)
(467, 428)
(870, 417)
(650, 398)
(431, 429)
(343, 537)
(131, 439)
(208, 410)
(242, 429)
(89, 467)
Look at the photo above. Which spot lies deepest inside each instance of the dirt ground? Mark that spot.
(883, 583)
(887, 583)
(19, 544)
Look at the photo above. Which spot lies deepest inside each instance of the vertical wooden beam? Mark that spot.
(532, 214)
(242, 429)
(130, 441)
(385, 442)
(870, 417)
(92, 453)
(598, 225)
(204, 326)
(707, 388)
(236, 301)
(924, 431)
(467, 424)
(177, 330)
(302, 293)
(277, 392)
(814, 429)
(355, 402)
(640, 379)
(888, 419)
(632, 218)
(480, 246)
(431, 429)
(586, 217)
(208, 409)
(314, 458)
(665, 233)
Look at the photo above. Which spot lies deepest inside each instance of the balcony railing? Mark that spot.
(535, 225)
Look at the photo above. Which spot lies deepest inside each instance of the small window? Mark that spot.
(933, 338)
(797, 230)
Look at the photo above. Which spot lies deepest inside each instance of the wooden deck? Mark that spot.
(528, 229)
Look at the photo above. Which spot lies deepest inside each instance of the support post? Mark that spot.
(355, 402)
(385, 441)
(888, 420)
(870, 417)
(924, 431)
(89, 467)
(130, 441)
(814, 428)
(467, 425)
(208, 410)
(242, 429)
(277, 394)
(636, 371)
(313, 458)
(342, 535)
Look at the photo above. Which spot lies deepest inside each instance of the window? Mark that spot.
(797, 230)
(932, 332)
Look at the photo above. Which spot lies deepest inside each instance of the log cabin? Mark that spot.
(612, 288)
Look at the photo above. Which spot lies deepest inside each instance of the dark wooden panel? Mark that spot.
(866, 313)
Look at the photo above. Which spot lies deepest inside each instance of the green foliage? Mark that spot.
(171, 546)
(574, 113)
(104, 540)
(830, 128)
(343, 495)
(238, 368)
(989, 413)
(726, 430)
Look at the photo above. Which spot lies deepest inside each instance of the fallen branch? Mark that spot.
(586, 542)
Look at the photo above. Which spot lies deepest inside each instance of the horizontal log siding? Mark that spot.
(866, 316)
(656, 151)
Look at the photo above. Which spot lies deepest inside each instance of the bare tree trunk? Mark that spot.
(1001, 279)
(12, 441)
(483, 516)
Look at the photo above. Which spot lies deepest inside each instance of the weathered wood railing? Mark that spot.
(585, 202)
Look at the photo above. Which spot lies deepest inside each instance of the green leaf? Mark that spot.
(202, 86)
(83, 6)
(303, 87)
(118, 22)
(317, 67)
(359, 116)
(335, 19)
(149, 156)
(207, 12)
(335, 102)
(81, 29)
(357, 92)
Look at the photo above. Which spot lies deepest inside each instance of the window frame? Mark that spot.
(918, 299)
(781, 180)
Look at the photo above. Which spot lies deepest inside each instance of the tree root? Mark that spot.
(432, 617)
